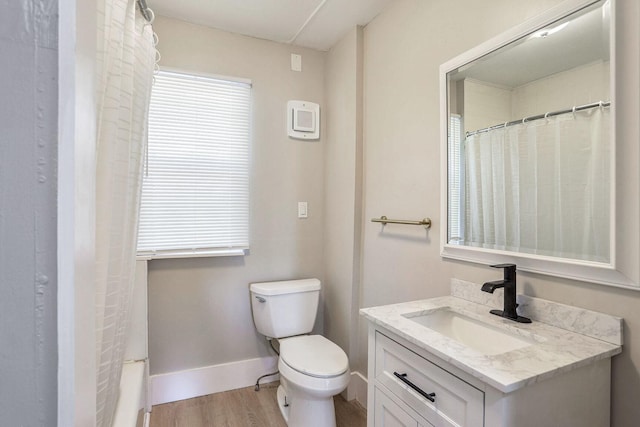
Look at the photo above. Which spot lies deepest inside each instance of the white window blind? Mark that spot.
(454, 167)
(195, 194)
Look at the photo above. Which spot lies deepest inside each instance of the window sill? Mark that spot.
(202, 253)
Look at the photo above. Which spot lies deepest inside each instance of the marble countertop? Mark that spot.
(553, 350)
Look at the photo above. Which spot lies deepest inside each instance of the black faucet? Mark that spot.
(509, 285)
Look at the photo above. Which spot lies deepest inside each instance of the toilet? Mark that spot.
(312, 368)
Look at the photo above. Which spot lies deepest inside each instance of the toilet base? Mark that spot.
(306, 411)
(283, 404)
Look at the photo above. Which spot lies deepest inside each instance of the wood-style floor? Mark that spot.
(242, 408)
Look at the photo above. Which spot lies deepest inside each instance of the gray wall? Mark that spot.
(343, 188)
(28, 150)
(404, 47)
(199, 312)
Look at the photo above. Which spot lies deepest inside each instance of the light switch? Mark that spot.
(302, 210)
(296, 62)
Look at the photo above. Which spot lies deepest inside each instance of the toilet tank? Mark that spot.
(286, 308)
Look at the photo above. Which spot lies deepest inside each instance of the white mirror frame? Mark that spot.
(622, 271)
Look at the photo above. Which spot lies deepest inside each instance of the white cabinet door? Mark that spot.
(388, 414)
(435, 394)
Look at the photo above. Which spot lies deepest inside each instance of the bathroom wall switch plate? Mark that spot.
(296, 62)
(302, 210)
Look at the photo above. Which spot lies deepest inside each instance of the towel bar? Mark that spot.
(426, 222)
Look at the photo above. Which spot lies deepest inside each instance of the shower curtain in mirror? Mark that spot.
(126, 59)
(541, 187)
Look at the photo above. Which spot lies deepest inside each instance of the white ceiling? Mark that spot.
(583, 41)
(316, 24)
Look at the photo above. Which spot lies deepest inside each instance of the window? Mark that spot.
(456, 191)
(195, 193)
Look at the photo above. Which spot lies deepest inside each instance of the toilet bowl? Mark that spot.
(312, 368)
(312, 371)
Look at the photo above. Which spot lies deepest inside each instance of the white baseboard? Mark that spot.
(181, 385)
(358, 389)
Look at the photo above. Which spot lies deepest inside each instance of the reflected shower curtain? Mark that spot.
(126, 59)
(541, 187)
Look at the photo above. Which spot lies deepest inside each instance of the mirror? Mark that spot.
(528, 146)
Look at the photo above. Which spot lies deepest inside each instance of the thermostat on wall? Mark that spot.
(303, 120)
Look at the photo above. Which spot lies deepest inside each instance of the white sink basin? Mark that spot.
(482, 337)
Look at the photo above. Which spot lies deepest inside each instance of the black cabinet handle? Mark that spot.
(429, 396)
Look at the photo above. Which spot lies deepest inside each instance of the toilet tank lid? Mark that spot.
(285, 287)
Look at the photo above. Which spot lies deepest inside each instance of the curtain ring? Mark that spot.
(152, 16)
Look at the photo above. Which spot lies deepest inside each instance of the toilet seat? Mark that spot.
(314, 355)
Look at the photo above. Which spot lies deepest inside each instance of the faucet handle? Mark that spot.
(509, 271)
(503, 266)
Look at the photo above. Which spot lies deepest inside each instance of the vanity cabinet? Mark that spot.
(409, 386)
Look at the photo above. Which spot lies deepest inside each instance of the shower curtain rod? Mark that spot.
(542, 116)
(144, 9)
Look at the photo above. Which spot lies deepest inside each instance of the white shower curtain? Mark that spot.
(541, 187)
(126, 58)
